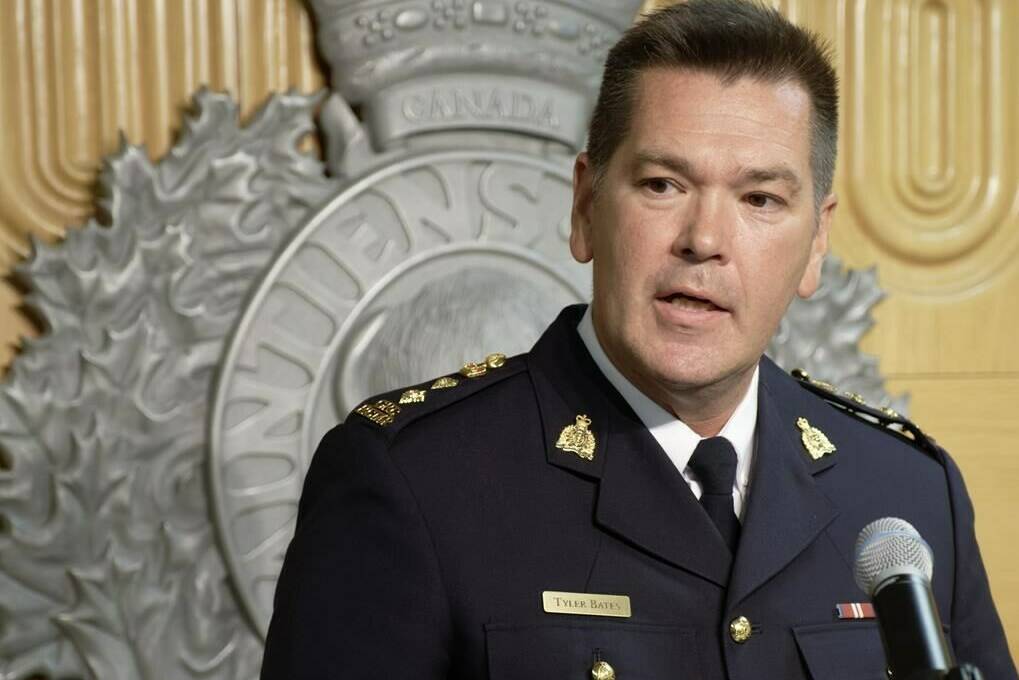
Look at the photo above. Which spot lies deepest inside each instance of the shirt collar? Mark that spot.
(675, 436)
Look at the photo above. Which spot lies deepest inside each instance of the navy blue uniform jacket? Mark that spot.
(423, 546)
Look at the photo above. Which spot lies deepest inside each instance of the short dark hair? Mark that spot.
(730, 38)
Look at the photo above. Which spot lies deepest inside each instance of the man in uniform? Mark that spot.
(643, 495)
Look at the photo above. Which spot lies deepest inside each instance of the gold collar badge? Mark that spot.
(577, 438)
(814, 441)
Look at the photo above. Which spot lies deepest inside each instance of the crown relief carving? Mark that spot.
(416, 66)
(369, 43)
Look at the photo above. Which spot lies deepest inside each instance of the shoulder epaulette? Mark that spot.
(393, 410)
(855, 405)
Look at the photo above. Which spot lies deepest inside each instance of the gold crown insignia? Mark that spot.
(578, 438)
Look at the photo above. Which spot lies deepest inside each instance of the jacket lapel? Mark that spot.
(786, 511)
(644, 499)
(641, 498)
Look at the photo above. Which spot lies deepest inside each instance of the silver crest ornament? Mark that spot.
(109, 563)
(451, 232)
(143, 521)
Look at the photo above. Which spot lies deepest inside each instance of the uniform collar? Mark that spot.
(640, 496)
(641, 499)
(675, 437)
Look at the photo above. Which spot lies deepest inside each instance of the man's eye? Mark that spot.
(763, 201)
(657, 185)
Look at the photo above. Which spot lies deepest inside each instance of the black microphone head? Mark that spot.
(889, 547)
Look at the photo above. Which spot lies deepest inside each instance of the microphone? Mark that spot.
(893, 565)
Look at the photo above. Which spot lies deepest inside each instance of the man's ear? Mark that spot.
(580, 217)
(811, 278)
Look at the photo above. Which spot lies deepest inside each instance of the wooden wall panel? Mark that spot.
(975, 418)
(76, 74)
(928, 175)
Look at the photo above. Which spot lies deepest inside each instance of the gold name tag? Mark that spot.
(588, 604)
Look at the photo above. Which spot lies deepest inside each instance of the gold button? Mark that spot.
(601, 670)
(473, 369)
(495, 360)
(739, 629)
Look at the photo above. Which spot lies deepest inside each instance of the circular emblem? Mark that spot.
(421, 266)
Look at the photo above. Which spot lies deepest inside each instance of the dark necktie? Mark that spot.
(714, 463)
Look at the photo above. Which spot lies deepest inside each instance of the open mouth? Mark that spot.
(684, 301)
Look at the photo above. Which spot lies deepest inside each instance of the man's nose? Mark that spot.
(705, 228)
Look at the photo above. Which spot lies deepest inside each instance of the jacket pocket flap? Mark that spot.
(842, 651)
(569, 650)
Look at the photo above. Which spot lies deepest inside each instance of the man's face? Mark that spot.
(702, 229)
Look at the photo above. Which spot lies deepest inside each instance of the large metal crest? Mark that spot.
(237, 298)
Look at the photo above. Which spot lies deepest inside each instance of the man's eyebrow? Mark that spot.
(775, 173)
(676, 164)
(682, 166)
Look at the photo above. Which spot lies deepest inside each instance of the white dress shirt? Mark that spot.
(675, 437)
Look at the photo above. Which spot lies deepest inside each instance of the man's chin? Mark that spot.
(691, 379)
